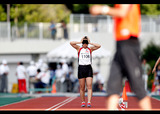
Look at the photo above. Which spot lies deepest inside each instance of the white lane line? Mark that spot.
(59, 103)
(64, 103)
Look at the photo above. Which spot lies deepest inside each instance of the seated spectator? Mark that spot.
(43, 78)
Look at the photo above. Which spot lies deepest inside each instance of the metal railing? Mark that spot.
(28, 31)
(101, 23)
(79, 23)
(35, 31)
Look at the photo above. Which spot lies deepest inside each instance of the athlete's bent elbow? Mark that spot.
(99, 46)
(71, 43)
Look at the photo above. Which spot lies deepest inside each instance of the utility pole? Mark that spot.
(8, 22)
(8, 12)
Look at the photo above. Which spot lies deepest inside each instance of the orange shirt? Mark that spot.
(128, 26)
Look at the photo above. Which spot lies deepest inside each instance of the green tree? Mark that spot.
(3, 15)
(39, 12)
(150, 9)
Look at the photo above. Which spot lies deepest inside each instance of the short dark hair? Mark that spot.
(21, 63)
(85, 37)
(38, 70)
(85, 42)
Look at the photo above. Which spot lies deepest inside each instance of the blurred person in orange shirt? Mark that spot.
(126, 61)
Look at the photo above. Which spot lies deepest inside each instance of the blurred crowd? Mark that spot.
(40, 75)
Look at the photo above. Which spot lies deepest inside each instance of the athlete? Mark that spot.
(157, 62)
(85, 73)
(126, 61)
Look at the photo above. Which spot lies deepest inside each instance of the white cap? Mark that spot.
(40, 60)
(32, 63)
(63, 61)
(4, 61)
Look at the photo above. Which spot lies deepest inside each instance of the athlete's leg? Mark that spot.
(145, 103)
(89, 87)
(112, 102)
(114, 83)
(131, 54)
(82, 89)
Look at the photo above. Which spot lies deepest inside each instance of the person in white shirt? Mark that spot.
(43, 77)
(39, 64)
(59, 78)
(4, 71)
(65, 75)
(21, 75)
(32, 72)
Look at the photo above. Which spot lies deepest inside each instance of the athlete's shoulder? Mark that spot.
(89, 49)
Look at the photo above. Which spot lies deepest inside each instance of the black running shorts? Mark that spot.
(85, 71)
(126, 63)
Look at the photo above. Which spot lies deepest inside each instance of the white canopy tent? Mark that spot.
(66, 51)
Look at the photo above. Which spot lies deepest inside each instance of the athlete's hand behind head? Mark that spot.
(95, 9)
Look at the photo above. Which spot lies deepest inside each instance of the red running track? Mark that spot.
(70, 104)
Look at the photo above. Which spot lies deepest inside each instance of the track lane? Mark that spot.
(71, 104)
(41, 103)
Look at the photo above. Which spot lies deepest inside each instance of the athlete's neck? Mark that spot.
(85, 47)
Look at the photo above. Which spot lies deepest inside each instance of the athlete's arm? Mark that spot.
(157, 62)
(95, 46)
(74, 44)
(117, 12)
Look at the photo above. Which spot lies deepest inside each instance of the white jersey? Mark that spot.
(84, 56)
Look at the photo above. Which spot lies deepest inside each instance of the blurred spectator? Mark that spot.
(53, 30)
(59, 79)
(39, 64)
(98, 81)
(157, 78)
(65, 78)
(32, 72)
(52, 76)
(65, 31)
(146, 70)
(43, 77)
(4, 71)
(21, 75)
(74, 82)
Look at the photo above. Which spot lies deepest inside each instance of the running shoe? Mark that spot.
(83, 104)
(89, 105)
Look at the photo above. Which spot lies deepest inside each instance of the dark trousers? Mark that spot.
(4, 83)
